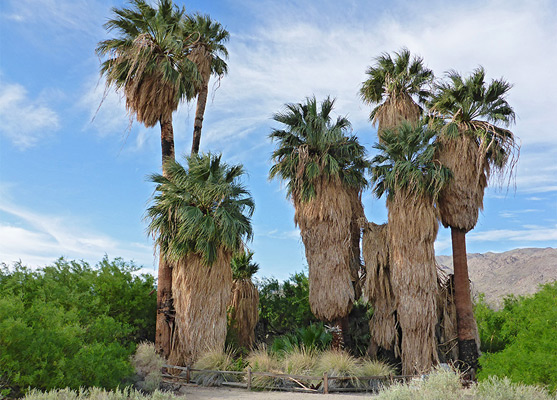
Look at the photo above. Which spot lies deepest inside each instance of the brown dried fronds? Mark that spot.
(201, 296)
(461, 199)
(395, 110)
(412, 231)
(325, 223)
(244, 312)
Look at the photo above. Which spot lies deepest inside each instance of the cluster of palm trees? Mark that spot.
(438, 143)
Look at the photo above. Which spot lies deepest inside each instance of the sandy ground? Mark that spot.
(193, 392)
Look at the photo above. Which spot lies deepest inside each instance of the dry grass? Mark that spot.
(337, 363)
(395, 110)
(244, 312)
(503, 389)
(462, 198)
(374, 368)
(378, 288)
(324, 223)
(201, 295)
(148, 365)
(412, 231)
(97, 394)
(260, 360)
(216, 360)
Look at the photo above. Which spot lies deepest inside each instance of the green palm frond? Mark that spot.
(471, 106)
(149, 44)
(200, 208)
(212, 35)
(312, 147)
(242, 265)
(391, 77)
(406, 163)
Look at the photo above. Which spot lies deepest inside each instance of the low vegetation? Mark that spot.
(72, 325)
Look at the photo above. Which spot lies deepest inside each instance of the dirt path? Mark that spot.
(204, 393)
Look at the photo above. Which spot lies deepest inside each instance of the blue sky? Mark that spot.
(77, 187)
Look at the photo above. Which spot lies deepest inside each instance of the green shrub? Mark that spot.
(97, 394)
(71, 325)
(527, 327)
(312, 337)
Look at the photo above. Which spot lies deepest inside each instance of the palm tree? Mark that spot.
(199, 218)
(244, 305)
(146, 60)
(405, 170)
(324, 170)
(208, 54)
(391, 84)
(468, 114)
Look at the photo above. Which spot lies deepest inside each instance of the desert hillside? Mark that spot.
(518, 271)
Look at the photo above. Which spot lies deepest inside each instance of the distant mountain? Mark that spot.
(518, 272)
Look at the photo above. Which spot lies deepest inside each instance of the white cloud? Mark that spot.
(24, 121)
(528, 233)
(37, 239)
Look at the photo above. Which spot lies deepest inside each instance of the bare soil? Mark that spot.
(193, 392)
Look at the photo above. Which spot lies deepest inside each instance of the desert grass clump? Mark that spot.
(299, 361)
(260, 360)
(374, 368)
(439, 385)
(503, 389)
(339, 364)
(97, 394)
(148, 366)
(215, 360)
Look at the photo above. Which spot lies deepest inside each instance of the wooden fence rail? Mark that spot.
(324, 380)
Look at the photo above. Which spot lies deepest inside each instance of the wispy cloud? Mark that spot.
(528, 233)
(24, 121)
(37, 239)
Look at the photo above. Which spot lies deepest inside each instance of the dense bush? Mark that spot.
(520, 340)
(283, 306)
(312, 337)
(72, 325)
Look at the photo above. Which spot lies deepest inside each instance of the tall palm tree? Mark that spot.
(468, 114)
(208, 54)
(391, 85)
(199, 218)
(146, 60)
(405, 170)
(244, 305)
(324, 170)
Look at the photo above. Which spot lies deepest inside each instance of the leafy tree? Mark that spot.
(468, 115)
(524, 333)
(72, 325)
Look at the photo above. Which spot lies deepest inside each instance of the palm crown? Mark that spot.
(406, 163)
(209, 37)
(312, 148)
(394, 78)
(242, 265)
(201, 208)
(469, 106)
(147, 59)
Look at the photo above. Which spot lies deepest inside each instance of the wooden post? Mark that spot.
(249, 378)
(325, 383)
(187, 374)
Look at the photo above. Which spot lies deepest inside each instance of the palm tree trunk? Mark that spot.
(466, 324)
(199, 113)
(165, 311)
